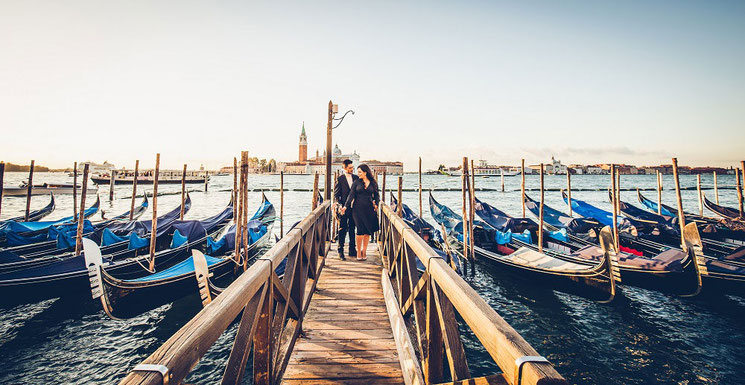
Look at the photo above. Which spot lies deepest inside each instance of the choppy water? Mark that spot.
(646, 337)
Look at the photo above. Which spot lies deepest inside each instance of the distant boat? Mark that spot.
(488, 171)
(146, 177)
(45, 188)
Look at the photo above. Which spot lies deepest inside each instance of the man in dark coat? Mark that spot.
(346, 222)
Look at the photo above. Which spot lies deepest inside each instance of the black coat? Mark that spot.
(341, 190)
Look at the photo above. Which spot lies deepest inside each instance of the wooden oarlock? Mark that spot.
(28, 190)
(154, 227)
(540, 215)
(134, 190)
(681, 214)
(81, 214)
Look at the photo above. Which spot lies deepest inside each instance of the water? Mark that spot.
(644, 337)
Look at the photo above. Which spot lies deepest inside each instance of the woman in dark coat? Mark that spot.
(363, 200)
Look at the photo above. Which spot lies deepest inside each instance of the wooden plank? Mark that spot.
(347, 336)
(410, 367)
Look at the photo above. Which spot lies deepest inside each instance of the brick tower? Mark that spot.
(303, 156)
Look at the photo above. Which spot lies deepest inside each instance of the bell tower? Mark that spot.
(303, 148)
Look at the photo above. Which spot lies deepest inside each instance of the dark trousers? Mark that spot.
(346, 226)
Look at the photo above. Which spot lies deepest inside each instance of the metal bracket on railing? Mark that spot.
(162, 369)
(271, 263)
(430, 260)
(520, 361)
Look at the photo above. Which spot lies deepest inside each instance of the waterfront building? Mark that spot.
(317, 164)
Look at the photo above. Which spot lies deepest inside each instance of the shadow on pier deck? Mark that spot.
(330, 321)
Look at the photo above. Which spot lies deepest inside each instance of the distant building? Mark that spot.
(303, 153)
(317, 164)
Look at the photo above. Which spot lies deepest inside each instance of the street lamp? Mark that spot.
(333, 110)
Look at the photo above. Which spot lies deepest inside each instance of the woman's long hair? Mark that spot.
(366, 169)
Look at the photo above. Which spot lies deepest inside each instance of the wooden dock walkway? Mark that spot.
(347, 337)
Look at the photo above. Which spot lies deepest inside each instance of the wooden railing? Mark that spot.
(434, 297)
(272, 308)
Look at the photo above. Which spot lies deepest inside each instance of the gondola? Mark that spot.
(717, 239)
(672, 212)
(723, 211)
(68, 277)
(642, 263)
(725, 271)
(35, 215)
(429, 234)
(53, 245)
(125, 298)
(22, 233)
(60, 243)
(596, 282)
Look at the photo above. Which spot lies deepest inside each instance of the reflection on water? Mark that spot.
(644, 337)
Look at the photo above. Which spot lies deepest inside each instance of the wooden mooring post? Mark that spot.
(716, 188)
(154, 224)
(75, 191)
(681, 213)
(314, 200)
(472, 213)
(281, 203)
(400, 203)
(2, 180)
(540, 215)
(739, 191)
(134, 190)
(464, 189)
(29, 190)
(112, 181)
(659, 192)
(522, 185)
(383, 190)
(183, 192)
(421, 213)
(615, 206)
(81, 215)
(569, 191)
(700, 196)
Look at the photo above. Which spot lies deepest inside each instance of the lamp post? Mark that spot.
(332, 111)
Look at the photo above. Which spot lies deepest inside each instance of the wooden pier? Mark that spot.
(327, 321)
(347, 336)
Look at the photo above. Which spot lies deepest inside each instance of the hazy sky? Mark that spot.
(198, 81)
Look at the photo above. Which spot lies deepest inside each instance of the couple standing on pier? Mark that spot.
(359, 198)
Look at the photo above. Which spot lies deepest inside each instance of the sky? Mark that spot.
(198, 81)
